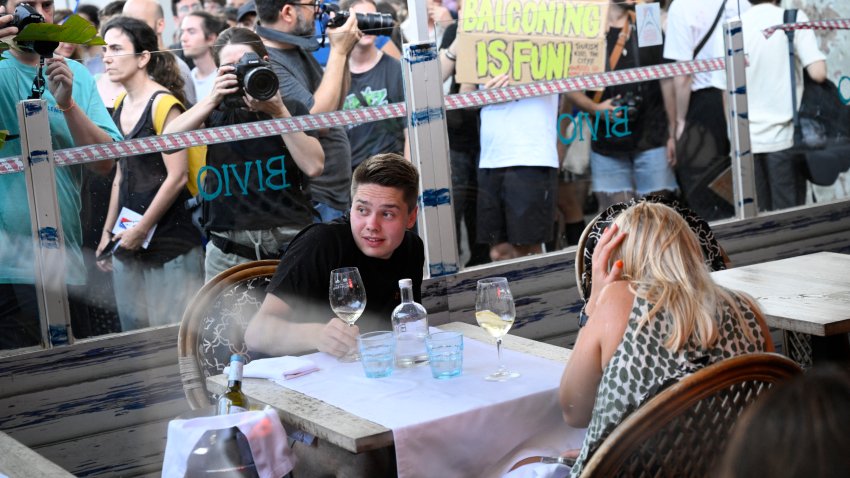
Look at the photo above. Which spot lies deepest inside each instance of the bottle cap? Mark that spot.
(237, 357)
(405, 283)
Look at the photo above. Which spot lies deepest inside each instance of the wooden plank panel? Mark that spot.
(101, 356)
(129, 451)
(91, 407)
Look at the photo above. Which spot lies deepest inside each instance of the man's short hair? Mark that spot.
(389, 170)
(269, 10)
(210, 24)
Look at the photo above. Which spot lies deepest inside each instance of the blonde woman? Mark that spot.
(655, 315)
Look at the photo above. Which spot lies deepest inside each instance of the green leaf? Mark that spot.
(76, 30)
(3, 134)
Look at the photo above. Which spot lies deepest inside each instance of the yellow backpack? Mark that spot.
(197, 154)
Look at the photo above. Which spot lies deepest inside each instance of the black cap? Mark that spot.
(246, 8)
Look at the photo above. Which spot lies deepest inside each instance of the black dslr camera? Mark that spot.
(254, 77)
(23, 16)
(631, 102)
(368, 23)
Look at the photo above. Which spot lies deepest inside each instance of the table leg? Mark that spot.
(326, 460)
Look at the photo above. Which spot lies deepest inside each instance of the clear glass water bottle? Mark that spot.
(410, 326)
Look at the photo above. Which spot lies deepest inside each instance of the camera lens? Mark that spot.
(261, 83)
(375, 23)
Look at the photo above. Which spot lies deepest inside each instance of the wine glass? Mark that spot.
(348, 300)
(495, 312)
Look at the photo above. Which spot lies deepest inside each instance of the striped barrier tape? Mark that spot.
(839, 24)
(222, 134)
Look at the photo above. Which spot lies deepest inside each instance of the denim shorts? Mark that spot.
(642, 172)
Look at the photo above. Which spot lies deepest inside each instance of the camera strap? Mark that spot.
(625, 34)
(37, 89)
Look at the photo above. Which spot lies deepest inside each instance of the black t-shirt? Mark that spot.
(300, 75)
(303, 276)
(381, 85)
(462, 125)
(254, 183)
(650, 129)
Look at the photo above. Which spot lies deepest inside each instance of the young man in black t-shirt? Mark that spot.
(296, 317)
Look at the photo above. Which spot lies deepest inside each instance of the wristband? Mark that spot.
(69, 108)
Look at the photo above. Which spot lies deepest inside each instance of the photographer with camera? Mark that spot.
(77, 117)
(287, 28)
(640, 162)
(255, 198)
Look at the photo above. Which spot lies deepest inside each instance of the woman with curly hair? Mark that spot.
(153, 282)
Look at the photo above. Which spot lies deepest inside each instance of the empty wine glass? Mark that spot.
(348, 300)
(495, 313)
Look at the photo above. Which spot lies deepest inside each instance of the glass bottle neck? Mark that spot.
(406, 295)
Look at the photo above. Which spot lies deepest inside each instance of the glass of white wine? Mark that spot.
(495, 313)
(347, 296)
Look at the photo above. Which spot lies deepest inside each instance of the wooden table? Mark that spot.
(347, 444)
(805, 296)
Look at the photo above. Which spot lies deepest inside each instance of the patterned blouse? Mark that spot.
(642, 366)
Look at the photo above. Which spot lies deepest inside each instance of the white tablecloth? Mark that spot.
(460, 427)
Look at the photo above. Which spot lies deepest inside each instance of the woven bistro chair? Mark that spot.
(213, 325)
(683, 431)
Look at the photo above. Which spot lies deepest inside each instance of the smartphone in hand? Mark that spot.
(109, 249)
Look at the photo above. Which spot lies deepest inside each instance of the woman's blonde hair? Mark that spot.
(663, 262)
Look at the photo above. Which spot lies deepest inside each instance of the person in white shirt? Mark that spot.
(199, 31)
(695, 31)
(780, 178)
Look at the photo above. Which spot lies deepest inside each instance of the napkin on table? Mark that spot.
(278, 368)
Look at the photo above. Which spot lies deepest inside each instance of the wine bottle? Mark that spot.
(410, 326)
(233, 400)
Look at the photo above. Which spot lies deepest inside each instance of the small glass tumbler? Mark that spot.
(377, 353)
(445, 354)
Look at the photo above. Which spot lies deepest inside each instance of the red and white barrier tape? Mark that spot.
(258, 129)
(839, 24)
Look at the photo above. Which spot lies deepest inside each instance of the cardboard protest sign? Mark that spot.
(531, 40)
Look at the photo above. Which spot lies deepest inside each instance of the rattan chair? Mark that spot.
(682, 431)
(214, 323)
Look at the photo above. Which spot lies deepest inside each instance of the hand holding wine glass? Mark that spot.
(495, 313)
(347, 296)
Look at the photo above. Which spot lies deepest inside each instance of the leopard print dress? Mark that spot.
(642, 366)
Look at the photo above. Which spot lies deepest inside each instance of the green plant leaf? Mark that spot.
(75, 30)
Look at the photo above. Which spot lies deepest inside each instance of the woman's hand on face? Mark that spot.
(225, 84)
(608, 243)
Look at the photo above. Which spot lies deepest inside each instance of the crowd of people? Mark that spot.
(511, 195)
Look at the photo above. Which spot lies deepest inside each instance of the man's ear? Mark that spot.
(411, 218)
(160, 26)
